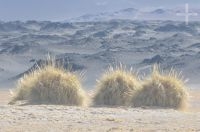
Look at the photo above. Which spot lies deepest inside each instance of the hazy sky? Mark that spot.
(59, 10)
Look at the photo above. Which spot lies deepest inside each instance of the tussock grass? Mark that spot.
(162, 90)
(50, 85)
(116, 87)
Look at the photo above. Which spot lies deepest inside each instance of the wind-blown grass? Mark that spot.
(50, 85)
(116, 88)
(162, 90)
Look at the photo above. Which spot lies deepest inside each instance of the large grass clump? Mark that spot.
(116, 88)
(50, 85)
(162, 90)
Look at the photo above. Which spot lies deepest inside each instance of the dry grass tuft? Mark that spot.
(162, 90)
(50, 85)
(116, 87)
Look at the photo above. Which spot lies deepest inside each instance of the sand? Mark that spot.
(51, 118)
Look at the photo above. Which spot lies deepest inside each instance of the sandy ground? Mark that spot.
(49, 118)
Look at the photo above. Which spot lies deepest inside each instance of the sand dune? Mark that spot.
(96, 45)
(40, 118)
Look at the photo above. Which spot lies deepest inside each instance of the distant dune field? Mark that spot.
(88, 46)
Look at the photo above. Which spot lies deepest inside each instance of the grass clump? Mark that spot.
(116, 87)
(162, 90)
(50, 85)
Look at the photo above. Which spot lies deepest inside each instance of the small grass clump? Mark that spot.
(162, 90)
(116, 87)
(50, 85)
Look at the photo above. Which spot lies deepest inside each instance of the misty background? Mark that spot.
(61, 10)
